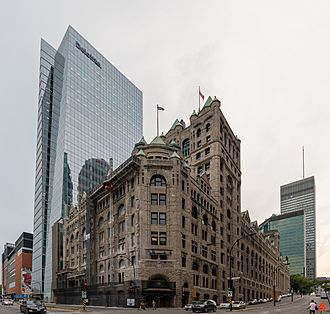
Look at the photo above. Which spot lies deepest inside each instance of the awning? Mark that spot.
(158, 290)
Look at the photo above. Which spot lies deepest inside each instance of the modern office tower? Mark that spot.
(291, 227)
(300, 195)
(88, 113)
(16, 267)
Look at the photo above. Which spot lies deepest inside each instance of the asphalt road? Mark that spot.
(298, 306)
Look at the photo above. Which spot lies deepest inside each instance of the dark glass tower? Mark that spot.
(300, 195)
(88, 113)
(291, 227)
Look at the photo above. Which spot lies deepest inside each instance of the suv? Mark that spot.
(204, 306)
(32, 306)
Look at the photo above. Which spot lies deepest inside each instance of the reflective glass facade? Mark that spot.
(88, 113)
(291, 228)
(300, 195)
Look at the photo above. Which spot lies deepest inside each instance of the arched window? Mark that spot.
(158, 180)
(101, 268)
(194, 213)
(71, 239)
(213, 226)
(77, 235)
(101, 222)
(205, 220)
(214, 271)
(186, 147)
(205, 269)
(121, 263)
(194, 265)
(121, 210)
(208, 127)
(198, 132)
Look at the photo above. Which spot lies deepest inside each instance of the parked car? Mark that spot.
(7, 301)
(224, 305)
(254, 301)
(32, 306)
(204, 306)
(188, 306)
(239, 305)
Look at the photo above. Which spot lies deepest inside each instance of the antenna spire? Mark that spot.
(303, 161)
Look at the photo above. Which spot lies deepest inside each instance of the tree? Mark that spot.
(302, 284)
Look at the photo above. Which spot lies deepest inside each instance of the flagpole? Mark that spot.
(199, 99)
(157, 122)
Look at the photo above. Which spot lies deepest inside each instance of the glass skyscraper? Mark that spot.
(291, 227)
(89, 115)
(300, 195)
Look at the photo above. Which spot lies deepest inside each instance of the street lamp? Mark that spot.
(132, 263)
(230, 265)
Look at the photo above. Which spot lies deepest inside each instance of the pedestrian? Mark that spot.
(142, 306)
(153, 304)
(312, 307)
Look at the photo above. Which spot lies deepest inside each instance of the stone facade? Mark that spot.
(164, 224)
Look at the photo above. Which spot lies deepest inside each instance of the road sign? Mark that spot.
(230, 293)
(84, 294)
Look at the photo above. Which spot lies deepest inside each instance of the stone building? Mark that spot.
(164, 224)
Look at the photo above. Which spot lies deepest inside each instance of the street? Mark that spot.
(298, 306)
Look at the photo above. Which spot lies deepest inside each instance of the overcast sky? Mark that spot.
(267, 61)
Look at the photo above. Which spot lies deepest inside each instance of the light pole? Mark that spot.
(130, 260)
(230, 265)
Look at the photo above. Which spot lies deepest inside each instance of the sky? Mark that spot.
(267, 62)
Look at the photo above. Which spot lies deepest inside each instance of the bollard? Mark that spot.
(84, 304)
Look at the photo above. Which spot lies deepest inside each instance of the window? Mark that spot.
(204, 235)
(198, 156)
(162, 218)
(199, 143)
(158, 238)
(121, 244)
(154, 238)
(122, 226)
(186, 147)
(194, 246)
(183, 221)
(101, 222)
(154, 199)
(213, 256)
(183, 203)
(204, 250)
(208, 138)
(162, 238)
(121, 210)
(162, 199)
(208, 127)
(158, 199)
(158, 181)
(101, 237)
(198, 133)
(154, 218)
(207, 151)
(183, 241)
(194, 212)
(184, 261)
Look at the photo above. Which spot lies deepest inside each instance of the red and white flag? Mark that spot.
(201, 95)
